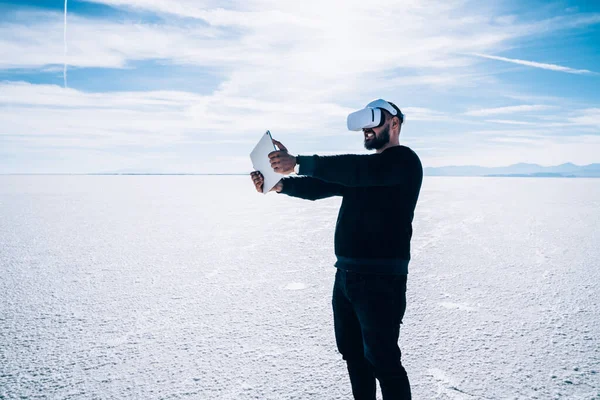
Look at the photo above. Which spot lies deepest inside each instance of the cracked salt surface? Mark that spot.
(151, 287)
(295, 286)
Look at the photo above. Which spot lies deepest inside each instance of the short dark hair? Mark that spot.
(389, 114)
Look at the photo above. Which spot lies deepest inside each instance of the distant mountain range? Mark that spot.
(567, 170)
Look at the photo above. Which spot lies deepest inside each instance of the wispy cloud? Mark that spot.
(507, 110)
(584, 120)
(296, 68)
(308, 48)
(552, 67)
(501, 150)
(151, 118)
(588, 116)
(509, 122)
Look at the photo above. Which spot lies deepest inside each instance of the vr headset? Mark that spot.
(371, 116)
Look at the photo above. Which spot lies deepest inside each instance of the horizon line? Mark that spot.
(247, 173)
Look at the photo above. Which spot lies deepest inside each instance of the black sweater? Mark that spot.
(380, 192)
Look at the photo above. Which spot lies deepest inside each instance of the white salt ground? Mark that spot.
(154, 287)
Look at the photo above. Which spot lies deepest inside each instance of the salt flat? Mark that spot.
(198, 287)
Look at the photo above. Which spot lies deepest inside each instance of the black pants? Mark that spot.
(367, 312)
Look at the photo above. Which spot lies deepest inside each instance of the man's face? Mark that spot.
(376, 138)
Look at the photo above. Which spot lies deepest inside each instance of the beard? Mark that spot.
(379, 140)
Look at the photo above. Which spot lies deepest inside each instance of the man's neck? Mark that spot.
(387, 146)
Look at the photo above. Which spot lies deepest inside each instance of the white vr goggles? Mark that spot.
(371, 116)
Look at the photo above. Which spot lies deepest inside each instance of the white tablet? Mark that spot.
(261, 162)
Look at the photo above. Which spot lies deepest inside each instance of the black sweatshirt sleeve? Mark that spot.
(392, 167)
(310, 188)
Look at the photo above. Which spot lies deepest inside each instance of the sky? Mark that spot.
(190, 86)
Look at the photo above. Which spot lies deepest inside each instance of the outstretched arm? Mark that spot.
(302, 187)
(309, 188)
(387, 168)
(395, 166)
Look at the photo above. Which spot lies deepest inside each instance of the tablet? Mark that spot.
(261, 162)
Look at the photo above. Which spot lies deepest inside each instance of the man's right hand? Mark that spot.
(259, 180)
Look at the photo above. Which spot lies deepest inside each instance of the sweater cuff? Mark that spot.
(286, 186)
(308, 165)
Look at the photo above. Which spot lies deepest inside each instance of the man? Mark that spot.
(372, 242)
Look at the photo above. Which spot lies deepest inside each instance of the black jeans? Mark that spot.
(367, 313)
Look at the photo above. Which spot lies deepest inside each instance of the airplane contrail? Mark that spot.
(65, 47)
(552, 67)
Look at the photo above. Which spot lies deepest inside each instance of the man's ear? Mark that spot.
(396, 122)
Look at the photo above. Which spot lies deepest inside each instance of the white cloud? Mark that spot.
(424, 114)
(588, 116)
(106, 44)
(510, 122)
(582, 150)
(507, 110)
(310, 49)
(552, 67)
(296, 68)
(50, 115)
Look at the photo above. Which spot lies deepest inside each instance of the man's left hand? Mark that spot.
(281, 161)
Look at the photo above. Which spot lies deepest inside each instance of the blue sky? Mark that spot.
(191, 85)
